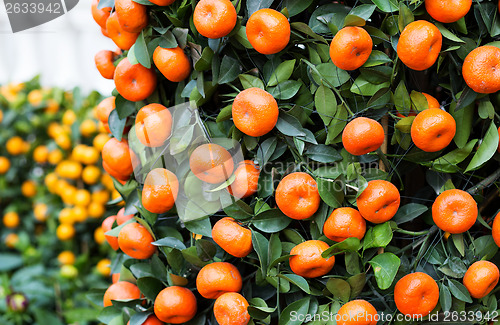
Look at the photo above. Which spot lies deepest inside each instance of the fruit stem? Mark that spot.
(484, 183)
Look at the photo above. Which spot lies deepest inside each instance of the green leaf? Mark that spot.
(116, 125)
(385, 266)
(444, 297)
(141, 51)
(359, 15)
(405, 16)
(486, 110)
(289, 125)
(266, 150)
(124, 107)
(205, 61)
(331, 191)
(239, 210)
(229, 70)
(448, 163)
(150, 287)
(295, 7)
(200, 227)
(10, 261)
(205, 249)
(459, 291)
(326, 104)
(271, 221)
(447, 34)
(168, 41)
(376, 58)
(249, 81)
(339, 288)
(333, 76)
(170, 242)
(363, 87)
(286, 89)
(386, 5)
(253, 6)
(463, 119)
(485, 247)
(225, 114)
(486, 150)
(409, 212)
(297, 280)
(260, 244)
(378, 236)
(357, 283)
(323, 153)
(350, 244)
(282, 73)
(294, 313)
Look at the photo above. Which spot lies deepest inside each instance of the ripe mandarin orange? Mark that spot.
(151, 320)
(307, 260)
(217, 278)
(481, 278)
(173, 63)
(11, 219)
(100, 15)
(231, 309)
(246, 181)
(133, 16)
(232, 237)
(162, 2)
(454, 211)
(357, 312)
(416, 294)
(481, 69)
(433, 129)
(379, 201)
(153, 124)
(268, 31)
(175, 305)
(123, 39)
(495, 231)
(362, 135)
(350, 48)
(4, 165)
(117, 159)
(135, 241)
(255, 112)
(120, 291)
(214, 18)
(432, 102)
(447, 11)
(104, 63)
(297, 196)
(121, 218)
(160, 190)
(133, 81)
(103, 109)
(419, 45)
(211, 163)
(65, 232)
(344, 223)
(107, 225)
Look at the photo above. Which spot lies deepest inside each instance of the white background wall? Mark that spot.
(61, 51)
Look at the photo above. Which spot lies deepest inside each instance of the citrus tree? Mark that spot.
(302, 161)
(52, 195)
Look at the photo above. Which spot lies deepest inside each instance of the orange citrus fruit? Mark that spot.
(232, 237)
(357, 312)
(217, 278)
(175, 305)
(135, 241)
(211, 163)
(214, 18)
(416, 294)
(433, 129)
(173, 63)
(362, 135)
(153, 124)
(307, 261)
(419, 45)
(160, 190)
(297, 196)
(133, 81)
(481, 69)
(447, 11)
(379, 202)
(268, 31)
(246, 180)
(454, 211)
(350, 48)
(255, 112)
(231, 309)
(344, 223)
(481, 278)
(120, 291)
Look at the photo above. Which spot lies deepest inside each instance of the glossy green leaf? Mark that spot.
(385, 267)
